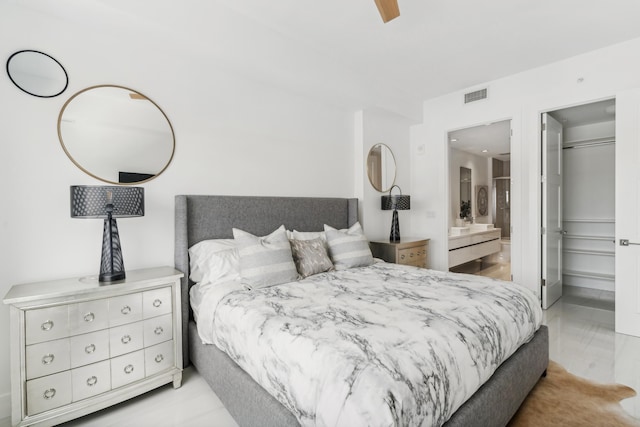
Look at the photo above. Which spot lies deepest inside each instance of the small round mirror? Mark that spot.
(381, 167)
(37, 73)
(116, 134)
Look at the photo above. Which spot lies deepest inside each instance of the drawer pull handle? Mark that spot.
(47, 326)
(126, 339)
(125, 310)
(157, 303)
(48, 394)
(89, 317)
(90, 348)
(411, 254)
(92, 381)
(158, 330)
(128, 369)
(159, 358)
(402, 256)
(47, 359)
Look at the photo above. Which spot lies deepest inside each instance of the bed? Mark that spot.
(203, 217)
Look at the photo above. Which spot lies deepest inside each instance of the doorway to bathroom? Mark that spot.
(480, 200)
(578, 205)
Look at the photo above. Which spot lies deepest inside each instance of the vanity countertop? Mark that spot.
(474, 233)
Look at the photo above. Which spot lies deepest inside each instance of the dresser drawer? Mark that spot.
(158, 358)
(91, 380)
(89, 348)
(46, 324)
(412, 255)
(125, 309)
(127, 369)
(125, 339)
(88, 316)
(158, 329)
(156, 302)
(48, 392)
(47, 358)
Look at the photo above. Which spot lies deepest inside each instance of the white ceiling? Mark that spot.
(340, 51)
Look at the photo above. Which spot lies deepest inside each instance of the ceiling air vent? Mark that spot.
(475, 96)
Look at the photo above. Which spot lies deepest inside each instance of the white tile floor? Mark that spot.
(582, 339)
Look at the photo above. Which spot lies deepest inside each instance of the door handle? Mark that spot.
(626, 242)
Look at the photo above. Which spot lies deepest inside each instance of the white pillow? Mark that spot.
(265, 261)
(206, 263)
(348, 248)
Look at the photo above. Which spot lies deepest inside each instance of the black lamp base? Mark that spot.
(111, 262)
(395, 228)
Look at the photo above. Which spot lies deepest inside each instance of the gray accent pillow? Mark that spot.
(265, 261)
(310, 256)
(348, 248)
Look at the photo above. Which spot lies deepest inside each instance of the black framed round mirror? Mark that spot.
(37, 73)
(116, 134)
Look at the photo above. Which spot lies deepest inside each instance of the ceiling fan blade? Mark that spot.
(388, 9)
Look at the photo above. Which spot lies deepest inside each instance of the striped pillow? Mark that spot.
(265, 261)
(348, 248)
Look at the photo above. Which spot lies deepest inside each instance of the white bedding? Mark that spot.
(374, 346)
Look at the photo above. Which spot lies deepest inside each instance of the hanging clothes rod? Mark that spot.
(588, 143)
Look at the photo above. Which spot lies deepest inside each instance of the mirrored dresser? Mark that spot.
(77, 346)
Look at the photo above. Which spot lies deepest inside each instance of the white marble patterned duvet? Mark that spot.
(384, 345)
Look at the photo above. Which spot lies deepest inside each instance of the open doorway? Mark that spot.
(480, 197)
(578, 220)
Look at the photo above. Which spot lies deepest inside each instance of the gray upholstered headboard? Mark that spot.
(200, 218)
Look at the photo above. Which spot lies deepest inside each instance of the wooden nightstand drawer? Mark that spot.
(413, 252)
(125, 309)
(48, 392)
(91, 380)
(47, 358)
(45, 324)
(89, 348)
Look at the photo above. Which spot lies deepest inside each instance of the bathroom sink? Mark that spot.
(458, 231)
(480, 227)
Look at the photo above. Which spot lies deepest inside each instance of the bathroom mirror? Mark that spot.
(465, 193)
(116, 134)
(381, 167)
(37, 73)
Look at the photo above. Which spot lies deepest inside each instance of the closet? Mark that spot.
(588, 197)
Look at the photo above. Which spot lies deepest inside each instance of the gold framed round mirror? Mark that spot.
(381, 167)
(116, 134)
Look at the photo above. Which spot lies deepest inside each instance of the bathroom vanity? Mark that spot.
(472, 242)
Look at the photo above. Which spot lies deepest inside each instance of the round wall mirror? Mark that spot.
(37, 73)
(381, 167)
(116, 134)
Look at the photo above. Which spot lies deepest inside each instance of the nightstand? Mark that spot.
(77, 346)
(408, 251)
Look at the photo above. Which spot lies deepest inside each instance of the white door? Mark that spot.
(628, 212)
(551, 210)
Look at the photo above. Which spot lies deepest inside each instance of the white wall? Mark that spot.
(379, 126)
(233, 136)
(479, 176)
(522, 97)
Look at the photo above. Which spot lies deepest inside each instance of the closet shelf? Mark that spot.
(585, 237)
(589, 252)
(589, 142)
(589, 275)
(593, 221)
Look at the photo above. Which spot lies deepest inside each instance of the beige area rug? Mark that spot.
(563, 399)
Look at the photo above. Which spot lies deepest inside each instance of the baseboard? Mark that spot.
(5, 405)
